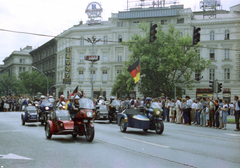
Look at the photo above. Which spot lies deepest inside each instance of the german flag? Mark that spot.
(134, 70)
(73, 93)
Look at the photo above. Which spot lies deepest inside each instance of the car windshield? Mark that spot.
(45, 102)
(116, 103)
(62, 114)
(86, 103)
(103, 107)
(31, 109)
(155, 105)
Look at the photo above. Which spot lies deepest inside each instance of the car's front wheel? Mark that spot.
(122, 126)
(47, 132)
(23, 122)
(159, 127)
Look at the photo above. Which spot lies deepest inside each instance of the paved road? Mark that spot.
(178, 146)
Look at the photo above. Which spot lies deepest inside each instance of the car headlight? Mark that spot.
(36, 105)
(63, 107)
(89, 114)
(158, 112)
(47, 108)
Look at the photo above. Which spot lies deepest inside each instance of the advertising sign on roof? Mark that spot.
(94, 10)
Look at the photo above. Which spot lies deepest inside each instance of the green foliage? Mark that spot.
(168, 61)
(9, 85)
(34, 82)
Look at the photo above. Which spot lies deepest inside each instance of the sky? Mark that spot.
(52, 17)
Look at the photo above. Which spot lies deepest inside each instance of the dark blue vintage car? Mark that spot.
(30, 115)
(143, 118)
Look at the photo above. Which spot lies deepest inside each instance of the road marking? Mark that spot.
(147, 142)
(232, 134)
(13, 156)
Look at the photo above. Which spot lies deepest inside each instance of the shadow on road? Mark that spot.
(32, 125)
(70, 140)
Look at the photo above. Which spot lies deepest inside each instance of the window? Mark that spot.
(211, 74)
(180, 20)
(227, 35)
(105, 40)
(180, 34)
(104, 75)
(119, 38)
(81, 58)
(226, 54)
(119, 24)
(93, 75)
(212, 54)
(135, 23)
(24, 69)
(22, 61)
(81, 41)
(81, 76)
(119, 57)
(20, 69)
(163, 22)
(105, 57)
(212, 35)
(197, 73)
(227, 74)
(119, 71)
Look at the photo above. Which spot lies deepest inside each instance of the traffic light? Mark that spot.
(153, 31)
(211, 85)
(219, 87)
(196, 35)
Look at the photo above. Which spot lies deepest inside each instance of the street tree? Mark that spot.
(169, 60)
(34, 82)
(9, 85)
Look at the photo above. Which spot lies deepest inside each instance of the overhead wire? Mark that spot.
(75, 38)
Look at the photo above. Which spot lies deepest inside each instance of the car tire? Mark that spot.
(122, 126)
(90, 133)
(159, 127)
(23, 122)
(74, 135)
(47, 132)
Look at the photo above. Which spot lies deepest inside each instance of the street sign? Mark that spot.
(92, 57)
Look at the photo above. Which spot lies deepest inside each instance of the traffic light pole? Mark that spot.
(216, 87)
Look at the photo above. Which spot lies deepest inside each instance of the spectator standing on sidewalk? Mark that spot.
(207, 114)
(189, 109)
(198, 112)
(224, 114)
(220, 114)
(193, 111)
(237, 112)
(231, 106)
(184, 111)
(203, 110)
(163, 107)
(178, 112)
(167, 106)
(216, 114)
(211, 113)
(20, 104)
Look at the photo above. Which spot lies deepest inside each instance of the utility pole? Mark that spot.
(93, 41)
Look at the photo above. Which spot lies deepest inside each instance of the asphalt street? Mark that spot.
(178, 146)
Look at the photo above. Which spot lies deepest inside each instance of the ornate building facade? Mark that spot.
(220, 41)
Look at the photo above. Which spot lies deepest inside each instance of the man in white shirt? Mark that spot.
(237, 112)
(189, 108)
(178, 106)
(193, 112)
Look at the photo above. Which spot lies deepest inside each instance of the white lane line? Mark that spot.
(147, 142)
(232, 134)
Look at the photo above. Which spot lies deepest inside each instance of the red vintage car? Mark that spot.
(80, 123)
(59, 123)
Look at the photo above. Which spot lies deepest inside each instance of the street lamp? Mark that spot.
(43, 74)
(93, 41)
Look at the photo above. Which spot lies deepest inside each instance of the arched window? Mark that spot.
(119, 38)
(227, 35)
(105, 40)
(82, 41)
(212, 35)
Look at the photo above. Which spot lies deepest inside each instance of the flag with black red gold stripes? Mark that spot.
(134, 70)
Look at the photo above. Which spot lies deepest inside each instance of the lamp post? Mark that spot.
(93, 41)
(43, 74)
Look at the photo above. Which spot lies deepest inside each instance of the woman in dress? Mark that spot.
(224, 114)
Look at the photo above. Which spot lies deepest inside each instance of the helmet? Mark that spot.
(77, 97)
(148, 99)
(71, 98)
(62, 96)
(112, 98)
(42, 97)
(100, 97)
(50, 96)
